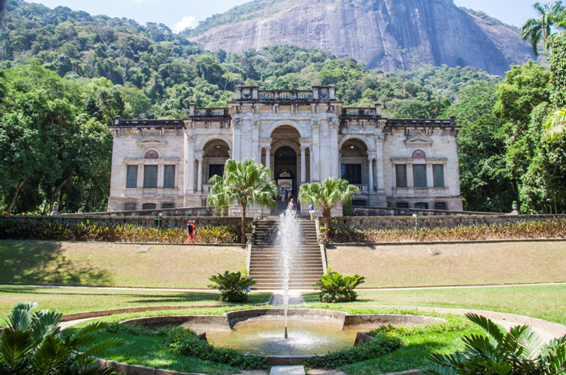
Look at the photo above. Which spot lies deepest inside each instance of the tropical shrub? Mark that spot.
(38, 229)
(233, 286)
(32, 344)
(187, 343)
(335, 287)
(517, 352)
(322, 229)
(519, 230)
(380, 345)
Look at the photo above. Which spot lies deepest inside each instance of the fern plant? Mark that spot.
(32, 344)
(517, 352)
(335, 287)
(233, 286)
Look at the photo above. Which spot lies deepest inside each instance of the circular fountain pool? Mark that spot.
(264, 336)
(261, 331)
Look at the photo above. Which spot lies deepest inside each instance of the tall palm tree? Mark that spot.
(535, 29)
(328, 194)
(243, 183)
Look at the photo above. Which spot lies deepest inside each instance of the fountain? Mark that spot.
(288, 237)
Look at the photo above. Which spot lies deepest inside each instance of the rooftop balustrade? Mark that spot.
(138, 123)
(210, 113)
(356, 113)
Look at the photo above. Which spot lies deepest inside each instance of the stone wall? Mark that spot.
(390, 211)
(396, 222)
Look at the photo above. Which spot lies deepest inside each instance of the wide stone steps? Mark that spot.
(306, 267)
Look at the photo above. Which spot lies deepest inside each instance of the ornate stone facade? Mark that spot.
(303, 136)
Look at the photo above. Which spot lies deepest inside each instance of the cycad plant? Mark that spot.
(32, 344)
(245, 184)
(233, 286)
(335, 287)
(517, 352)
(327, 195)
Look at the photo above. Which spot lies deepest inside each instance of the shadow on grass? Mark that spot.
(38, 262)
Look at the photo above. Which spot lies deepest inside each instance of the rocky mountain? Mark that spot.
(385, 34)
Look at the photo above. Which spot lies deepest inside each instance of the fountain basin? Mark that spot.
(260, 331)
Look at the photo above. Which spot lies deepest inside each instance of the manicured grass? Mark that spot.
(90, 263)
(459, 264)
(71, 300)
(547, 302)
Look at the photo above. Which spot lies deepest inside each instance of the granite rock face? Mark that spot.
(385, 34)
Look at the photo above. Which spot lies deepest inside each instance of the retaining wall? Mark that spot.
(387, 222)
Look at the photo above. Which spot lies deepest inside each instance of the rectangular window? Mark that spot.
(421, 206)
(169, 177)
(352, 173)
(132, 177)
(150, 177)
(149, 206)
(168, 205)
(130, 206)
(419, 175)
(215, 169)
(438, 173)
(402, 205)
(401, 175)
(440, 206)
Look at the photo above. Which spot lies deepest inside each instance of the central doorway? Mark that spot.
(285, 160)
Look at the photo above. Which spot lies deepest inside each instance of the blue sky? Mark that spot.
(180, 13)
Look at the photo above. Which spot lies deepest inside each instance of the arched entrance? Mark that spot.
(285, 165)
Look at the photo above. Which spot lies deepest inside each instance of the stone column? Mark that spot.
(335, 161)
(255, 141)
(311, 164)
(380, 164)
(303, 166)
(268, 158)
(370, 169)
(199, 173)
(191, 165)
(236, 124)
(316, 151)
(410, 180)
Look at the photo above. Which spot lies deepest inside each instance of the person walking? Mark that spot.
(311, 211)
(283, 195)
(189, 232)
(291, 205)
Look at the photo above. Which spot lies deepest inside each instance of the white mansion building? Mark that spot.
(303, 136)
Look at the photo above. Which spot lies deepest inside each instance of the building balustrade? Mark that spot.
(147, 123)
(211, 112)
(358, 113)
(286, 95)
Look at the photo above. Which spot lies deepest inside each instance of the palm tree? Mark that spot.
(535, 29)
(517, 352)
(243, 183)
(328, 194)
(556, 125)
(32, 344)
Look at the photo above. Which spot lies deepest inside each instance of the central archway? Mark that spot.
(285, 163)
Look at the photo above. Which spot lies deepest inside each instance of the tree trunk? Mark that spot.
(243, 224)
(61, 185)
(326, 216)
(15, 195)
(2, 11)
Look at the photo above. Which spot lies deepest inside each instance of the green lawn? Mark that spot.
(71, 300)
(112, 264)
(547, 302)
(457, 264)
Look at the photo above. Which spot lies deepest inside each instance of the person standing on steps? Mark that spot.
(291, 205)
(311, 211)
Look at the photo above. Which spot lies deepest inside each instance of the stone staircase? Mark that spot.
(306, 267)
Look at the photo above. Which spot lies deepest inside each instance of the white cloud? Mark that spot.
(184, 23)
